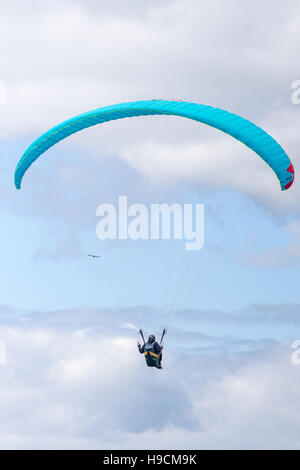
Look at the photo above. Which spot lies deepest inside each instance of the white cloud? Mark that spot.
(81, 55)
(66, 386)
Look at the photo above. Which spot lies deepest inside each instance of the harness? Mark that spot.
(151, 357)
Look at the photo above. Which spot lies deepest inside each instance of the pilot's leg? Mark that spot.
(159, 361)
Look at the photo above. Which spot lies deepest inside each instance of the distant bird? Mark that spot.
(94, 256)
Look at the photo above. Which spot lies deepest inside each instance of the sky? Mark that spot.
(72, 377)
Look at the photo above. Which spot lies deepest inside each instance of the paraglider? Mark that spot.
(94, 256)
(152, 350)
(241, 129)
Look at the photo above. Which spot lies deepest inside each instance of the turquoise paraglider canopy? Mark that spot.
(241, 129)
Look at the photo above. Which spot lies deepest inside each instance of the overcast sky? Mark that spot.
(72, 377)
